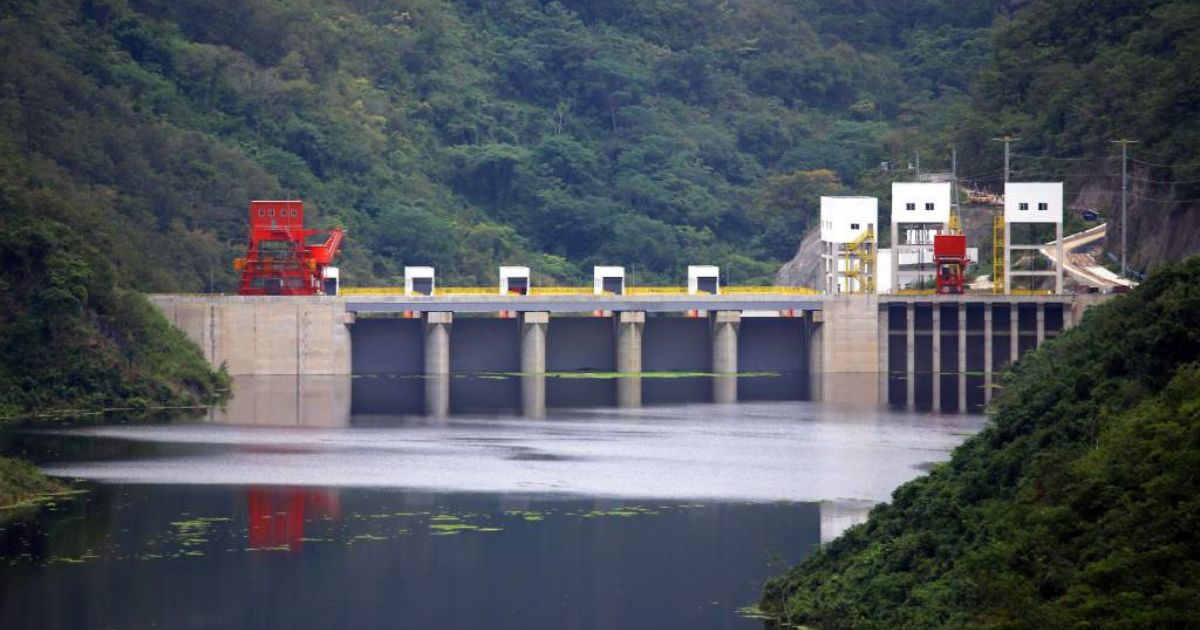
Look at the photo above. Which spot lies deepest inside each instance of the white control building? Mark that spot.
(919, 210)
(1039, 203)
(849, 242)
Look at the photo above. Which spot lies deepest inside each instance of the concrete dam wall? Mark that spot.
(929, 352)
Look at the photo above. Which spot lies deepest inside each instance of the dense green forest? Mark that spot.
(73, 336)
(463, 135)
(561, 134)
(1075, 508)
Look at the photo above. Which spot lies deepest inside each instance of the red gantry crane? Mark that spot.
(278, 259)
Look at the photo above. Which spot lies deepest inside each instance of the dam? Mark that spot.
(928, 351)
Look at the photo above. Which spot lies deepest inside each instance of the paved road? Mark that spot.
(1083, 267)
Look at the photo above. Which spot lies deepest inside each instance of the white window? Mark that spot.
(929, 206)
(1043, 206)
(853, 226)
(261, 212)
(271, 212)
(1022, 206)
(910, 206)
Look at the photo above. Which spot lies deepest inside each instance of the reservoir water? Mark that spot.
(317, 503)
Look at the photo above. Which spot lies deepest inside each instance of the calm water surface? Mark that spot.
(315, 503)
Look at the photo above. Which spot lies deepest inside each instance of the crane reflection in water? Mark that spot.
(278, 515)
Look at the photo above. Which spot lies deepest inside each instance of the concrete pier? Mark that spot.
(1014, 327)
(725, 341)
(533, 342)
(936, 369)
(962, 359)
(533, 395)
(533, 363)
(1041, 324)
(437, 395)
(725, 355)
(988, 358)
(910, 370)
(814, 324)
(437, 342)
(630, 326)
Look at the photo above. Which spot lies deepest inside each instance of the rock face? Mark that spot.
(804, 270)
(1161, 229)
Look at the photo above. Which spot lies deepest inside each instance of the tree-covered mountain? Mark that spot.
(468, 134)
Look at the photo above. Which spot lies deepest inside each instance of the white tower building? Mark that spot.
(848, 243)
(1033, 203)
(919, 210)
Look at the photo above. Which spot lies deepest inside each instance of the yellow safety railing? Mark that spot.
(583, 291)
(467, 291)
(998, 261)
(656, 291)
(860, 262)
(371, 290)
(916, 291)
(1031, 292)
(769, 291)
(565, 291)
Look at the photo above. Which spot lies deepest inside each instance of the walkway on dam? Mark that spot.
(365, 304)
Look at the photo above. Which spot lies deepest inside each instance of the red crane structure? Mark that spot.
(279, 260)
(950, 258)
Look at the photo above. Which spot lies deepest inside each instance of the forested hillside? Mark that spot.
(1075, 508)
(1068, 77)
(462, 135)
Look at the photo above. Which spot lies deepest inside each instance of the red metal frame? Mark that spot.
(950, 260)
(278, 259)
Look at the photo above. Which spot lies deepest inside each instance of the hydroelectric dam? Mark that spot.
(937, 352)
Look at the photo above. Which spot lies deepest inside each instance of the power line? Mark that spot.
(1058, 159)
(1165, 201)
(1166, 181)
(1160, 165)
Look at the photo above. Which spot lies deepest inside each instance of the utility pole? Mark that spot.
(954, 175)
(1124, 142)
(918, 166)
(1006, 140)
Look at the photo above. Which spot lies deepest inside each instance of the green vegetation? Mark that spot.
(72, 337)
(21, 481)
(1076, 507)
(465, 135)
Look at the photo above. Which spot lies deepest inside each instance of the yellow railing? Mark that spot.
(467, 291)
(860, 263)
(656, 291)
(371, 290)
(916, 292)
(551, 291)
(769, 291)
(1031, 292)
(565, 291)
(998, 261)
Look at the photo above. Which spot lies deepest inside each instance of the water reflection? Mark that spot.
(177, 556)
(340, 401)
(277, 516)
